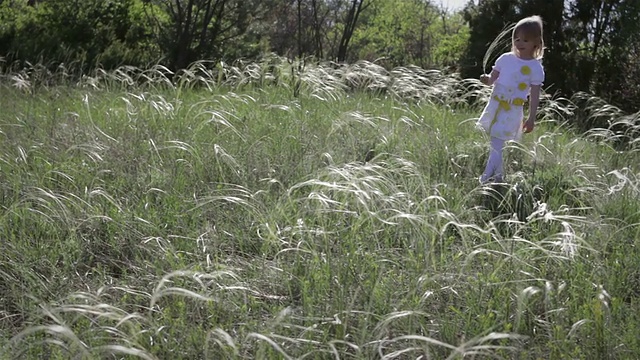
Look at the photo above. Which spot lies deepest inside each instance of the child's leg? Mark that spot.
(494, 166)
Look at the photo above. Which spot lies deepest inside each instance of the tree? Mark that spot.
(88, 33)
(317, 29)
(349, 23)
(608, 42)
(410, 32)
(310, 28)
(308, 20)
(190, 30)
(391, 30)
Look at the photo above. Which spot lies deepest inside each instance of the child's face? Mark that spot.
(525, 45)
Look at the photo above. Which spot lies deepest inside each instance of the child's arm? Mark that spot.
(491, 78)
(534, 101)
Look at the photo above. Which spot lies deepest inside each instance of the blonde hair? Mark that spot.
(530, 28)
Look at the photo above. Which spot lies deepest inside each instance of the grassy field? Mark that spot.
(327, 212)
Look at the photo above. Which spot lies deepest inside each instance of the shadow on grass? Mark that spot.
(508, 200)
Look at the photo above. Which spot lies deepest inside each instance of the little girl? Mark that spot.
(515, 75)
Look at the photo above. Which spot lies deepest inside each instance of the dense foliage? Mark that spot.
(80, 34)
(592, 45)
(177, 33)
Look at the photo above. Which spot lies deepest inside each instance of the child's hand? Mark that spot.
(528, 126)
(484, 78)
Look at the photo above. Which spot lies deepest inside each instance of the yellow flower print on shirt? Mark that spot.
(522, 86)
(525, 70)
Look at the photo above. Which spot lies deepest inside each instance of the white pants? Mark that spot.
(494, 168)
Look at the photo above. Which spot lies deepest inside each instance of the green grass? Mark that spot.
(326, 212)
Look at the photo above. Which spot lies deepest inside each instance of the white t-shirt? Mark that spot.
(515, 80)
(517, 76)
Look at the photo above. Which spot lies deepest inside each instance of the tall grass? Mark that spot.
(284, 210)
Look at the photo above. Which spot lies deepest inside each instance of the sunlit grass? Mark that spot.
(291, 210)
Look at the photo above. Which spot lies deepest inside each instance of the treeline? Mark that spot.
(175, 33)
(592, 45)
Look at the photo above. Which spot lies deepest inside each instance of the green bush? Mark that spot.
(88, 33)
